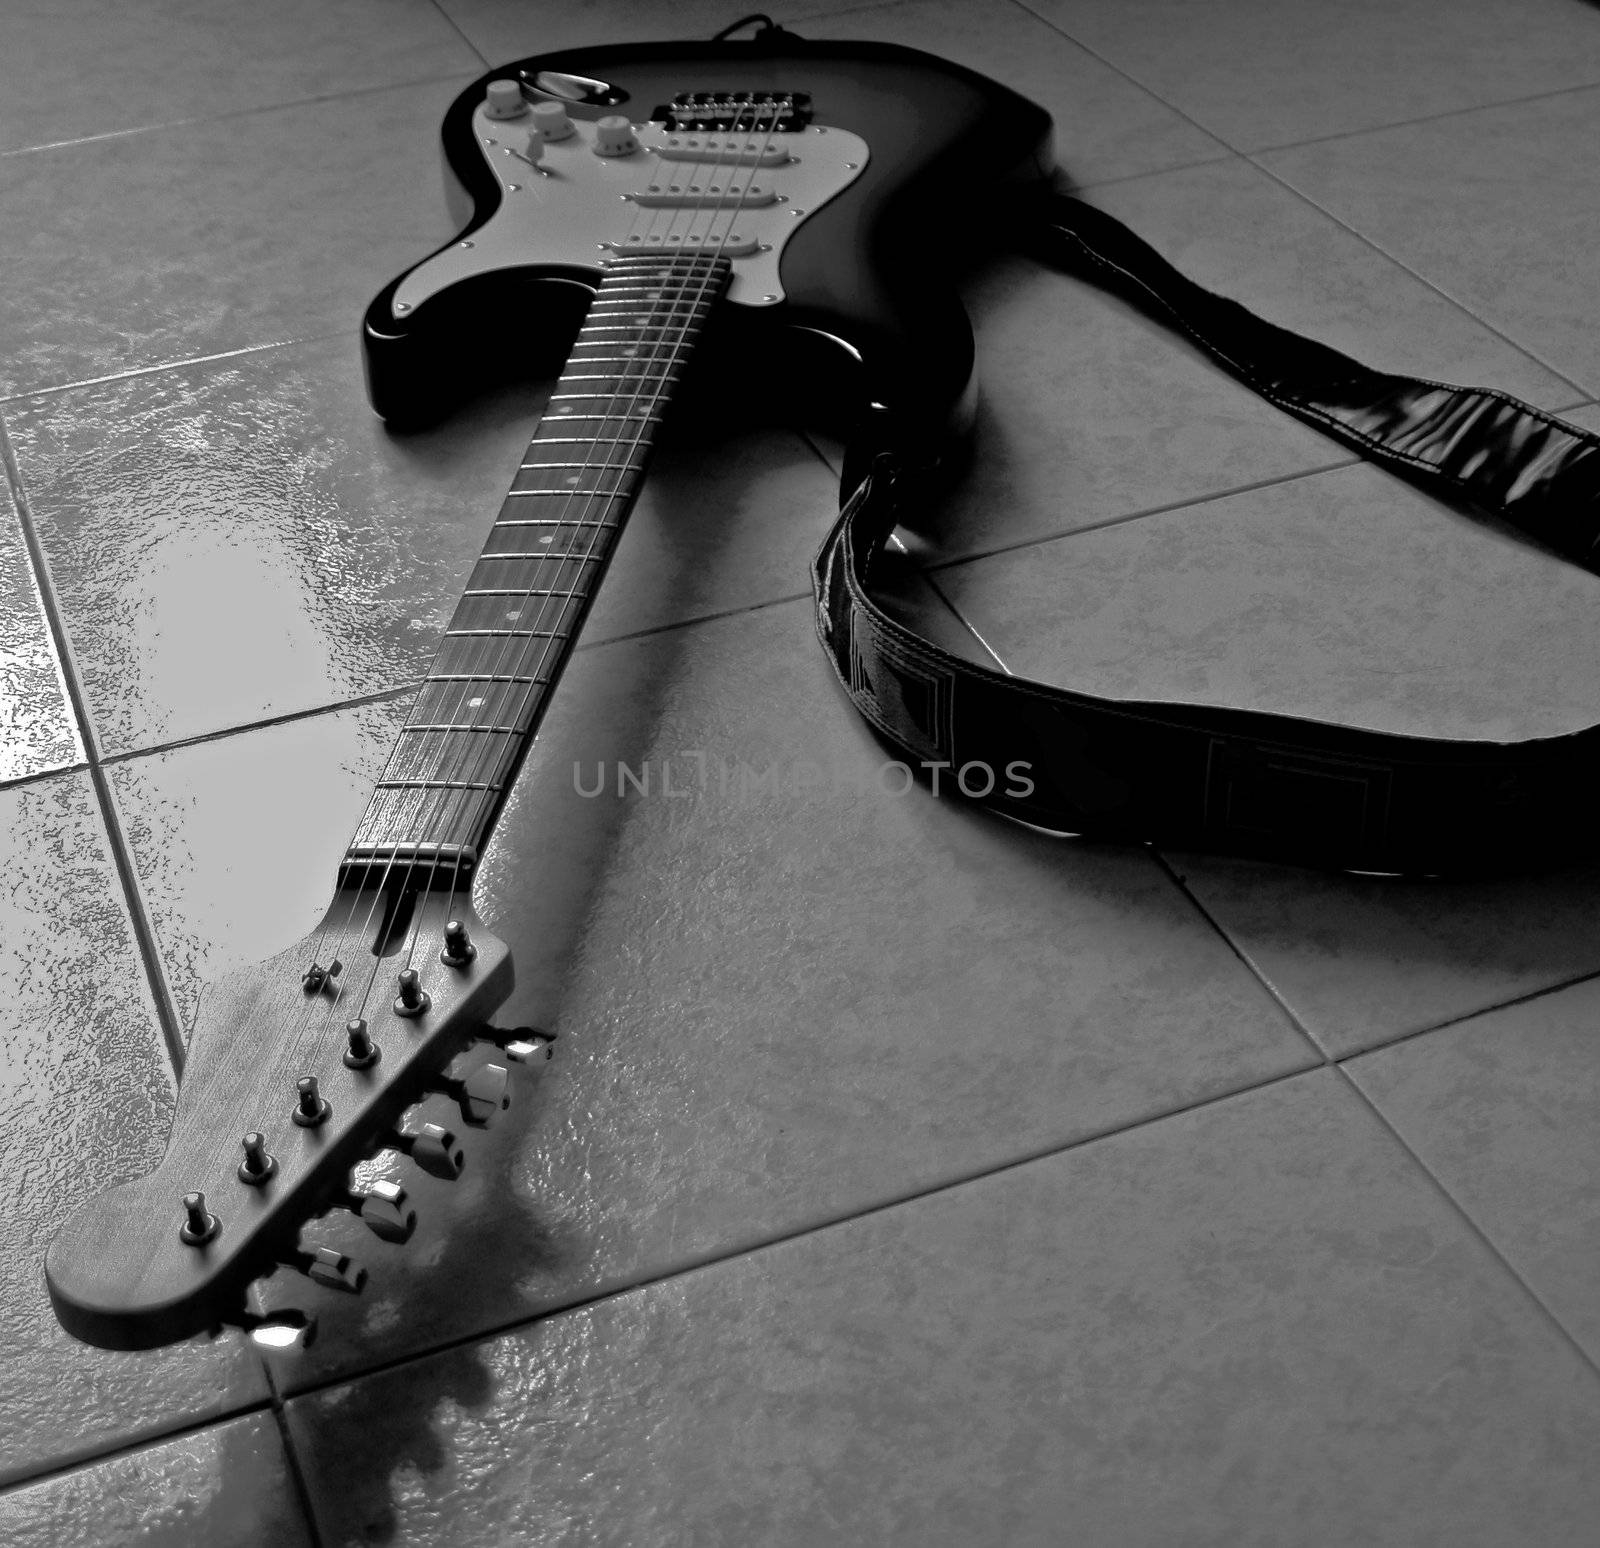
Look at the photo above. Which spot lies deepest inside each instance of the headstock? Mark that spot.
(297, 1071)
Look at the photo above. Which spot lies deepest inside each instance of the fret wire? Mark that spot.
(592, 467)
(587, 440)
(646, 315)
(434, 784)
(479, 677)
(452, 726)
(548, 521)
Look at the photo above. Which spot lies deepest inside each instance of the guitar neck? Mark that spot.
(515, 626)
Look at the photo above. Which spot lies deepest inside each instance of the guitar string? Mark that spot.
(382, 890)
(732, 211)
(486, 759)
(696, 318)
(642, 368)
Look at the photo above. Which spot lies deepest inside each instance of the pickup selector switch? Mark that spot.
(504, 99)
(550, 119)
(613, 136)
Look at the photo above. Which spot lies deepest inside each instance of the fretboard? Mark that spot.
(528, 594)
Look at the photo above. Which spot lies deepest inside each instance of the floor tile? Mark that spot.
(88, 1095)
(237, 840)
(177, 61)
(1254, 1324)
(1501, 1109)
(309, 211)
(1265, 72)
(503, 30)
(222, 1487)
(1105, 126)
(1234, 229)
(243, 539)
(1494, 207)
(38, 731)
(1346, 596)
(1360, 961)
(781, 997)
(1088, 412)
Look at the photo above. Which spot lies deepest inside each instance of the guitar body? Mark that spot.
(869, 336)
(793, 214)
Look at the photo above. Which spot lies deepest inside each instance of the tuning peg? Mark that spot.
(481, 1095)
(199, 1224)
(522, 1045)
(413, 999)
(285, 1331)
(458, 949)
(433, 1148)
(360, 1053)
(257, 1167)
(384, 1210)
(328, 1266)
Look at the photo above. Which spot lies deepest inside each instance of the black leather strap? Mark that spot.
(1216, 778)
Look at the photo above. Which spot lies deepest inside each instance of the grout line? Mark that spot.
(1373, 245)
(200, 738)
(1250, 155)
(339, 94)
(291, 1457)
(1424, 118)
(1163, 509)
(121, 855)
(1471, 1015)
(967, 624)
(455, 27)
(1473, 1227)
(1181, 882)
(167, 365)
(131, 1447)
(1402, 123)
(1338, 1065)
(723, 1255)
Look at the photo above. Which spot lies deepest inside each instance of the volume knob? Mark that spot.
(613, 136)
(503, 99)
(550, 118)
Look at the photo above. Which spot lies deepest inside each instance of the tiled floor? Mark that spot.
(901, 1177)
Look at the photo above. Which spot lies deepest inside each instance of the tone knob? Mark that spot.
(550, 118)
(503, 99)
(613, 136)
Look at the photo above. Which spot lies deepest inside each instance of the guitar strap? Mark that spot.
(1208, 777)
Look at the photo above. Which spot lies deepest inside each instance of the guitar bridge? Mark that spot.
(778, 112)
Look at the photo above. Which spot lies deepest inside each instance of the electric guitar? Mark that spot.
(770, 219)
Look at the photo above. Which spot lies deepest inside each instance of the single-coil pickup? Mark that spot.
(736, 244)
(705, 194)
(724, 149)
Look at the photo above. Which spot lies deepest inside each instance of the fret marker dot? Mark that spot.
(546, 540)
(573, 479)
(474, 703)
(515, 613)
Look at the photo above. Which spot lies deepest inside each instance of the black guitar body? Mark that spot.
(870, 338)
(792, 233)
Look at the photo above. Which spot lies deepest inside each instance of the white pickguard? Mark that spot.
(572, 206)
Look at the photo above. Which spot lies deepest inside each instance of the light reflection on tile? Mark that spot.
(244, 539)
(224, 1487)
(38, 731)
(87, 1095)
